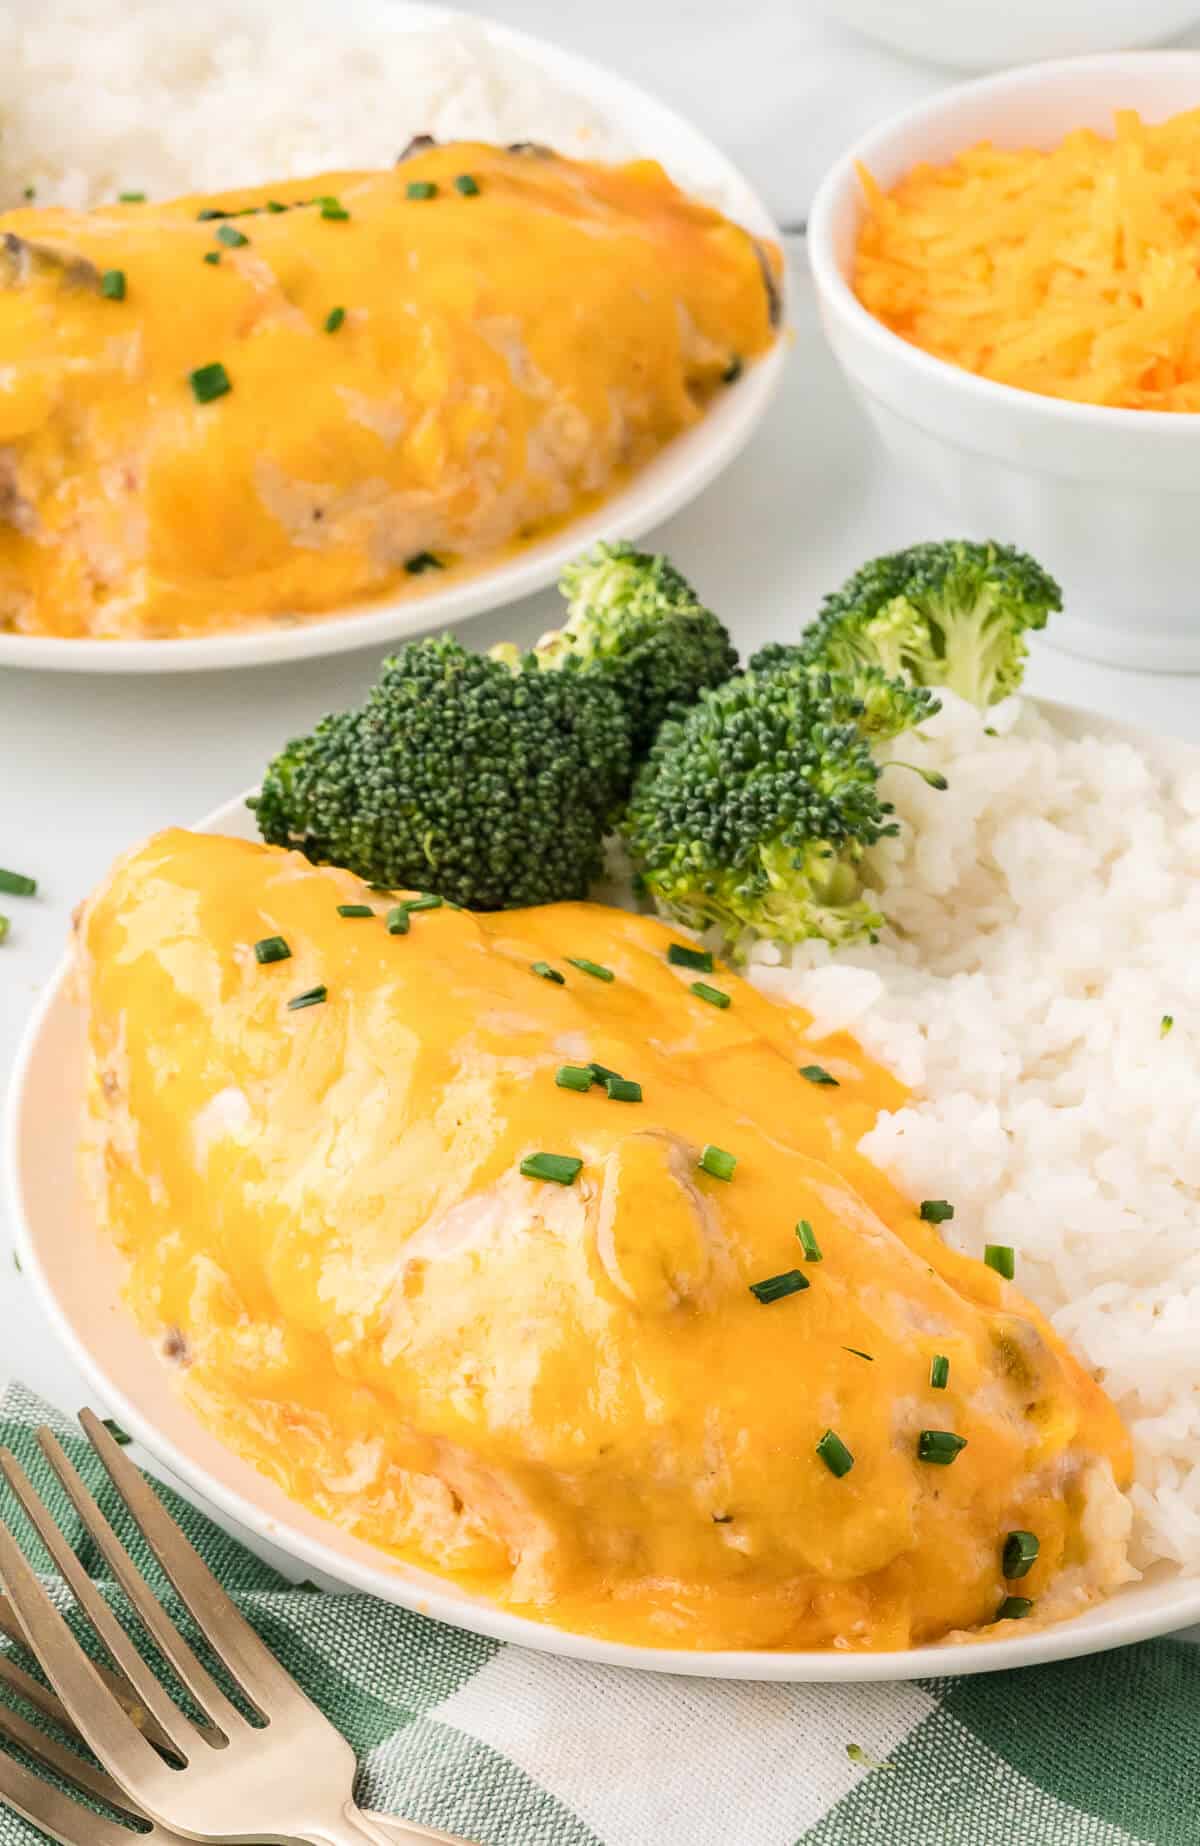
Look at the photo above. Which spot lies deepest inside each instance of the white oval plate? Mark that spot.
(78, 1278)
(668, 482)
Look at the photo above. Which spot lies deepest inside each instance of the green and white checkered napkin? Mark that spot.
(520, 1749)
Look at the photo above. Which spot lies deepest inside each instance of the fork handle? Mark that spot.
(354, 1828)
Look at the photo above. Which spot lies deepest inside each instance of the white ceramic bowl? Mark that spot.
(78, 1277)
(982, 35)
(673, 477)
(1109, 500)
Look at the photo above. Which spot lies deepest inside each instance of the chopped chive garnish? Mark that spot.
(30, 192)
(112, 285)
(816, 1073)
(733, 370)
(1014, 1608)
(422, 561)
(776, 1288)
(936, 1211)
(387, 889)
(573, 1077)
(17, 884)
(835, 1454)
(210, 212)
(1165, 1024)
(548, 973)
(1002, 1258)
(713, 995)
(212, 256)
(717, 1162)
(231, 237)
(274, 205)
(421, 189)
(682, 957)
(939, 1371)
(1019, 1554)
(601, 1073)
(859, 1354)
(808, 1242)
(467, 184)
(5, 926)
(428, 900)
(623, 1089)
(120, 1436)
(272, 948)
(591, 967)
(334, 319)
(397, 921)
(939, 1445)
(131, 198)
(563, 1169)
(209, 382)
(355, 910)
(313, 997)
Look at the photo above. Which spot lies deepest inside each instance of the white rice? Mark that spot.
(103, 96)
(1047, 916)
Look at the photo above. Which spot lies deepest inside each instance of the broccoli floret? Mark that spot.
(632, 617)
(457, 775)
(755, 807)
(951, 614)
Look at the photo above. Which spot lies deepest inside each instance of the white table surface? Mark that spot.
(89, 766)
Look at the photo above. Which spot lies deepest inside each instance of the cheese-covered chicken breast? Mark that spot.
(525, 1247)
(287, 399)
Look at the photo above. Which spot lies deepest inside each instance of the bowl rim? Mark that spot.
(836, 293)
(1117, 1621)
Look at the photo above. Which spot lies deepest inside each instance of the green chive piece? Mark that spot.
(428, 900)
(602, 1074)
(272, 948)
(573, 1077)
(17, 884)
(939, 1371)
(717, 1162)
(334, 319)
(563, 1169)
(733, 370)
(939, 1446)
(593, 968)
(467, 184)
(334, 209)
(397, 921)
(388, 890)
(313, 997)
(355, 910)
(548, 973)
(209, 212)
(1165, 1024)
(680, 956)
(623, 1089)
(835, 1454)
(5, 926)
(713, 995)
(1014, 1608)
(274, 205)
(422, 561)
(421, 189)
(1002, 1258)
(131, 198)
(120, 1436)
(936, 1211)
(212, 256)
(231, 237)
(776, 1288)
(858, 1354)
(112, 285)
(1019, 1554)
(808, 1242)
(30, 192)
(209, 382)
(816, 1073)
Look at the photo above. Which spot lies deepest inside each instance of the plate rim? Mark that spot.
(687, 464)
(1096, 1630)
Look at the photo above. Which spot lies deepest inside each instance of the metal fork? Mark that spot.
(287, 1780)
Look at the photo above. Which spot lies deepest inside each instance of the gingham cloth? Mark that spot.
(519, 1749)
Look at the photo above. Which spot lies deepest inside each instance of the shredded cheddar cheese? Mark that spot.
(1073, 272)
